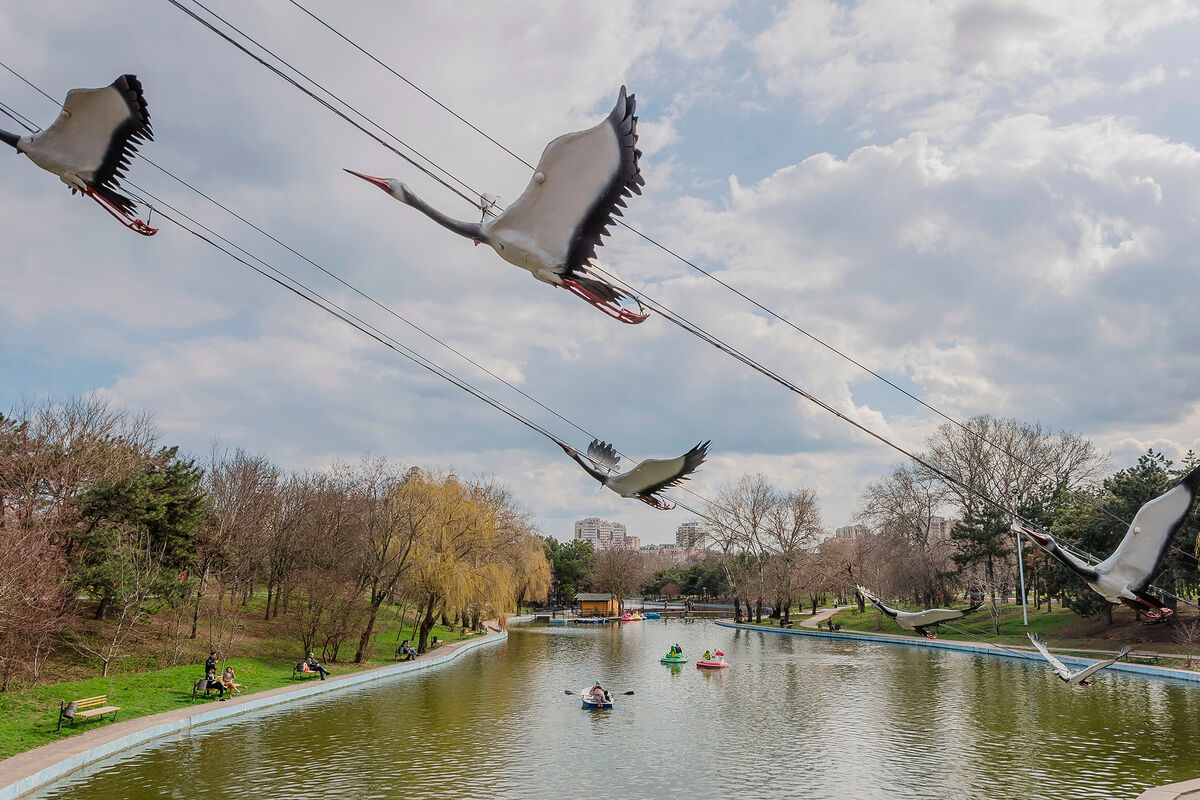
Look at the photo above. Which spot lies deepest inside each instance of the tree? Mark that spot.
(618, 571)
(162, 503)
(793, 526)
(1096, 521)
(392, 515)
(571, 567)
(738, 520)
(983, 538)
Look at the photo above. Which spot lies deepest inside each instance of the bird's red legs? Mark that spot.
(135, 225)
(612, 310)
(1149, 611)
(656, 504)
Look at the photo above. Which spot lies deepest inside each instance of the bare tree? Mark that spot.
(793, 527)
(618, 571)
(738, 524)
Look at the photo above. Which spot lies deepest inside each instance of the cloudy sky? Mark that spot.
(995, 204)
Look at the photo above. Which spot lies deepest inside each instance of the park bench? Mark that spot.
(1142, 657)
(203, 685)
(86, 708)
(299, 671)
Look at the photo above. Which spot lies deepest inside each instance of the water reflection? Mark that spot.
(792, 717)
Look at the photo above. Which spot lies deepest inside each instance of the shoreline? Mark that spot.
(37, 768)
(981, 648)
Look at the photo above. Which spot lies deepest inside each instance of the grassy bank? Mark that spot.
(1065, 631)
(260, 657)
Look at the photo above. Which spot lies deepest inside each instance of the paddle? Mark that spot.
(572, 691)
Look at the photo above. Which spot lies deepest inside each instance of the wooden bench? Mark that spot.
(298, 671)
(86, 708)
(1142, 657)
(207, 687)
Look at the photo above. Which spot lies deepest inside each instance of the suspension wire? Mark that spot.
(474, 202)
(676, 319)
(680, 321)
(18, 118)
(28, 83)
(304, 292)
(427, 95)
(709, 274)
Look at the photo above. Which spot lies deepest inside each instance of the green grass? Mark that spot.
(978, 626)
(28, 718)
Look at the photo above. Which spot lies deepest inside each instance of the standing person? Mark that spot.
(315, 665)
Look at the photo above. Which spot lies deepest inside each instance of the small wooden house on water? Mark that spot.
(596, 604)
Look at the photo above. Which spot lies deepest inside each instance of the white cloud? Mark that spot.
(998, 247)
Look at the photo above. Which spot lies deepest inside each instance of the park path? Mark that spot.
(816, 619)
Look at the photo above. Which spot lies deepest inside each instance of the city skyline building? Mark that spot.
(601, 532)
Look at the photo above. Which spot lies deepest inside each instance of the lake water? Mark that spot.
(794, 717)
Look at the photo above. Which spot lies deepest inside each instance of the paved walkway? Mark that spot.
(75, 748)
(816, 619)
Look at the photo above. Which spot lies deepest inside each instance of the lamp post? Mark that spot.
(1020, 560)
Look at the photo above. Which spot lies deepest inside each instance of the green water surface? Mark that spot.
(793, 717)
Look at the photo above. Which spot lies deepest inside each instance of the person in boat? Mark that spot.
(676, 650)
(708, 655)
(599, 695)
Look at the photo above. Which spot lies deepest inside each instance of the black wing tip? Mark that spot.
(627, 181)
(135, 97)
(1192, 480)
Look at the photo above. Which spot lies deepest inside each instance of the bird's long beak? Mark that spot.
(380, 182)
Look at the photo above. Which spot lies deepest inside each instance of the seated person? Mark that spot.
(598, 694)
(707, 655)
(211, 682)
(229, 682)
(315, 666)
(406, 651)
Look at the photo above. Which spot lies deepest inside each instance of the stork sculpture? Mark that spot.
(919, 621)
(1079, 677)
(90, 145)
(645, 480)
(1125, 576)
(555, 226)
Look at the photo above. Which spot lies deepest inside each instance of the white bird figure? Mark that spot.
(919, 621)
(1079, 678)
(1125, 576)
(645, 480)
(554, 227)
(91, 143)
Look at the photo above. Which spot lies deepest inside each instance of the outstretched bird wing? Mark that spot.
(1084, 674)
(1058, 666)
(604, 454)
(1141, 551)
(932, 616)
(583, 176)
(654, 475)
(96, 134)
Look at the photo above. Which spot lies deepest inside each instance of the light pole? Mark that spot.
(1020, 560)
